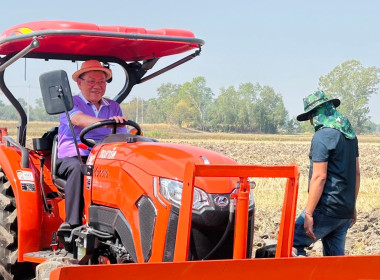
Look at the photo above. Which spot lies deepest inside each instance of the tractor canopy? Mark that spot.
(74, 39)
(135, 49)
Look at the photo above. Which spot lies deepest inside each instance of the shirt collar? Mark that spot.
(103, 101)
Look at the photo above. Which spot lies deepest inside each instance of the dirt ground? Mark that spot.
(362, 238)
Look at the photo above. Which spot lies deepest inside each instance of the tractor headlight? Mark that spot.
(172, 191)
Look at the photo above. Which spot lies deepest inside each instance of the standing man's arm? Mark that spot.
(357, 186)
(317, 183)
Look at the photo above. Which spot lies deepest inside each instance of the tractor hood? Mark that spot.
(164, 159)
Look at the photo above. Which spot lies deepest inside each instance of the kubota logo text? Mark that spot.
(107, 154)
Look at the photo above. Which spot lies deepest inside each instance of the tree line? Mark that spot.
(254, 108)
(249, 108)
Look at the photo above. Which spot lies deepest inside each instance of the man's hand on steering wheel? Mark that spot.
(106, 123)
(118, 119)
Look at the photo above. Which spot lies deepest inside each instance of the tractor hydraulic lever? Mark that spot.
(46, 206)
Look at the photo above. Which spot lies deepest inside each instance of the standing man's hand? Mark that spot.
(308, 226)
(353, 219)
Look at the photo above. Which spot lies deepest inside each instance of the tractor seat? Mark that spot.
(58, 182)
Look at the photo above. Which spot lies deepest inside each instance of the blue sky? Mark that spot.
(287, 45)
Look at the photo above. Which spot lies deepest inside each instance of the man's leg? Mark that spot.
(334, 243)
(323, 226)
(69, 168)
(301, 240)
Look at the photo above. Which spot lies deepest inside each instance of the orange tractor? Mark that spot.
(151, 208)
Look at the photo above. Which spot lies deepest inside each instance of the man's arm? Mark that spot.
(357, 187)
(317, 183)
(83, 120)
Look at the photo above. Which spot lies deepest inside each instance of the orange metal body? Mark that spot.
(35, 226)
(286, 232)
(134, 172)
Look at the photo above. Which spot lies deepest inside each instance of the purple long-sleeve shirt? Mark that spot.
(108, 108)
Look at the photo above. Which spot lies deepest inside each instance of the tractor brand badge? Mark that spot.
(107, 154)
(221, 201)
(25, 175)
(205, 160)
(28, 186)
(99, 172)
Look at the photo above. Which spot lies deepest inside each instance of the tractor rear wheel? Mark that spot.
(9, 268)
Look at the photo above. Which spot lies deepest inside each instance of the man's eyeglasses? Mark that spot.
(93, 82)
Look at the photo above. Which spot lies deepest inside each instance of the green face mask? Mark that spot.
(327, 116)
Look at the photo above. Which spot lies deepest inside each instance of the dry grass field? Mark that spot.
(363, 238)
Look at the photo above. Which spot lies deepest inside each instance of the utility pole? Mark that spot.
(28, 103)
(142, 111)
(137, 109)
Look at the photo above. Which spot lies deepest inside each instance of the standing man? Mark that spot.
(89, 107)
(334, 178)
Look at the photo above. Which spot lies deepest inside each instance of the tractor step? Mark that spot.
(41, 256)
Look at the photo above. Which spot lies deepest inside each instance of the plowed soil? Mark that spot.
(362, 238)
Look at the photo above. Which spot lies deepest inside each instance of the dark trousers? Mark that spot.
(69, 169)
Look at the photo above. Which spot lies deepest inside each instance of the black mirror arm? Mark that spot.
(83, 167)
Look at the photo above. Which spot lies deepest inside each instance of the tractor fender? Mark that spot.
(27, 194)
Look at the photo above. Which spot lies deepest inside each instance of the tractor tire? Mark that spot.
(9, 268)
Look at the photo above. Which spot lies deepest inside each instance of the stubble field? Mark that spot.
(363, 237)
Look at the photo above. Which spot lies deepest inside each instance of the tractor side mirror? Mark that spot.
(56, 92)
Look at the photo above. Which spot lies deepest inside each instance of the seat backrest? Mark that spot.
(58, 182)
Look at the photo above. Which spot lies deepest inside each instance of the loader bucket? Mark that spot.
(343, 267)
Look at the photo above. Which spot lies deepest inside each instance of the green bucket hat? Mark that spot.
(313, 101)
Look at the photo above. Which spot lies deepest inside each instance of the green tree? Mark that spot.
(198, 98)
(8, 113)
(270, 111)
(224, 110)
(353, 84)
(181, 114)
(248, 109)
(247, 98)
(168, 97)
(152, 112)
(159, 110)
(292, 126)
(38, 112)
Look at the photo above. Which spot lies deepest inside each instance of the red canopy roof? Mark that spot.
(75, 38)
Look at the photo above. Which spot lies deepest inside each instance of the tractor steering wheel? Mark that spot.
(92, 143)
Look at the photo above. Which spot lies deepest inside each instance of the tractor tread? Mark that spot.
(6, 185)
(4, 274)
(9, 267)
(13, 257)
(6, 238)
(12, 217)
(4, 201)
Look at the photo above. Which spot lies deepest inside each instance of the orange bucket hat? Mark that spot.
(92, 65)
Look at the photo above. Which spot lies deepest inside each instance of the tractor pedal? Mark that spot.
(64, 236)
(54, 244)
